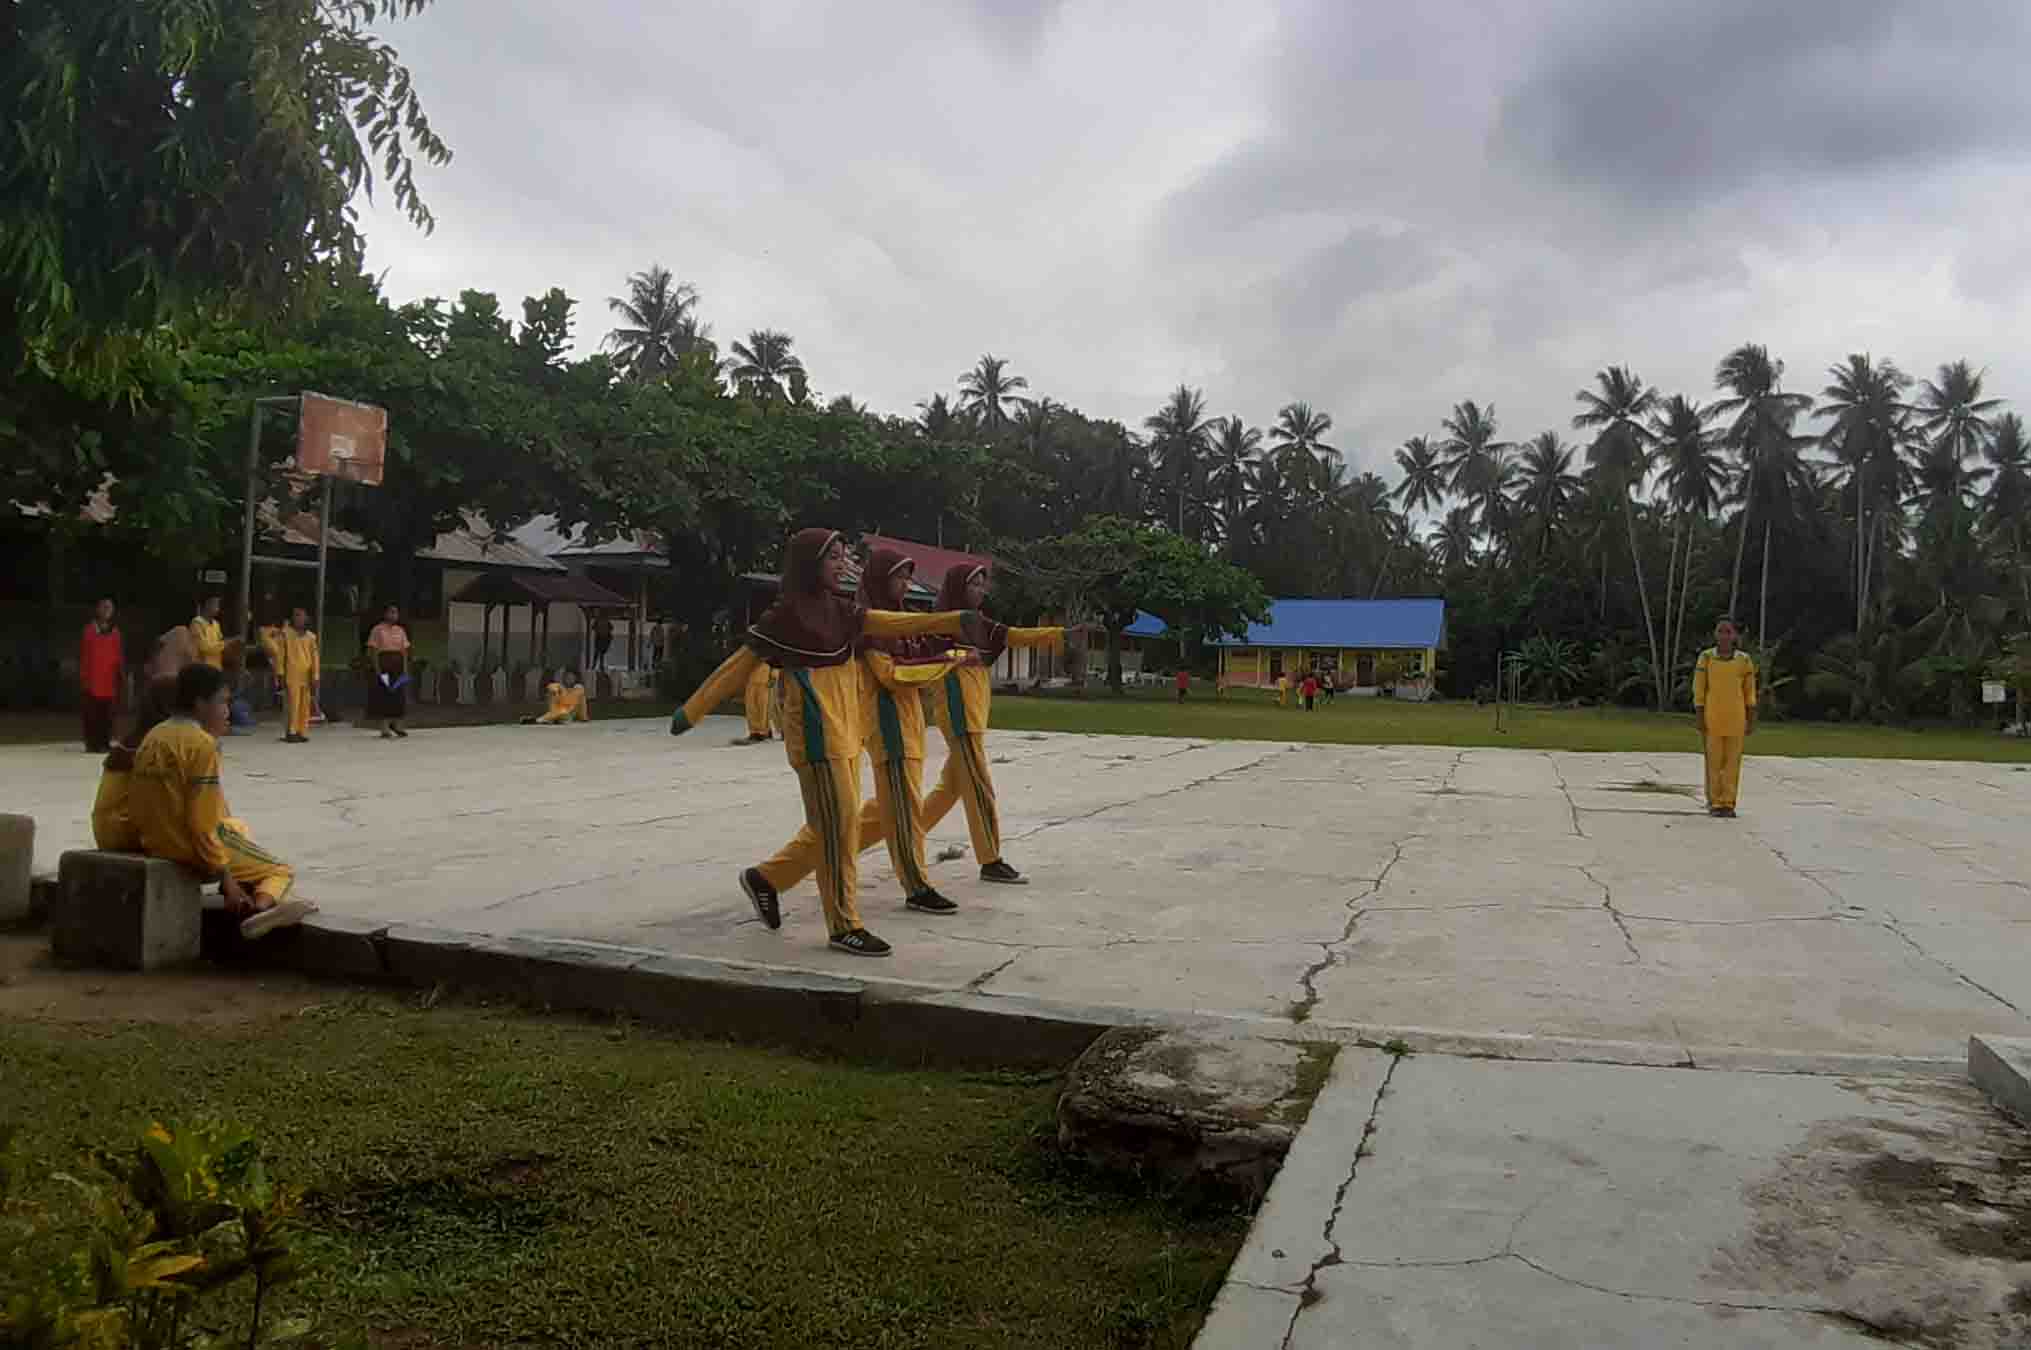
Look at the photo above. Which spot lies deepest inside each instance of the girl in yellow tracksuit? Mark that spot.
(896, 674)
(960, 705)
(179, 808)
(301, 668)
(811, 635)
(566, 702)
(113, 825)
(758, 702)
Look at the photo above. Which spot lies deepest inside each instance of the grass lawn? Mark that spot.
(1379, 721)
(478, 1177)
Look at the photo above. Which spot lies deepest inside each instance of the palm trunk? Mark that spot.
(1763, 606)
(1684, 590)
(1741, 542)
(1383, 573)
(1861, 557)
(1670, 574)
(1643, 594)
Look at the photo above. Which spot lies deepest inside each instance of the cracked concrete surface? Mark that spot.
(1526, 903)
(1643, 1111)
(1455, 1202)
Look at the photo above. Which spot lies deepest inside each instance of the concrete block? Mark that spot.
(42, 893)
(17, 867)
(125, 911)
(1213, 1112)
(2001, 1067)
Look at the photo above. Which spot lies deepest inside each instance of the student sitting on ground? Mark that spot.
(179, 808)
(567, 703)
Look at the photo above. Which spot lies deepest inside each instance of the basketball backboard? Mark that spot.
(338, 438)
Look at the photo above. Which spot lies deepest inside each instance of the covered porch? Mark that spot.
(537, 592)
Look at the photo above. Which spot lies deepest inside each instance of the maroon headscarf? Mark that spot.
(882, 566)
(809, 626)
(952, 595)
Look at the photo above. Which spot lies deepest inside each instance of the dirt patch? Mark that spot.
(1912, 1224)
(35, 989)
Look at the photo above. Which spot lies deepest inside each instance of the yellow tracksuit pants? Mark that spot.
(828, 843)
(896, 817)
(966, 781)
(297, 696)
(893, 816)
(1724, 770)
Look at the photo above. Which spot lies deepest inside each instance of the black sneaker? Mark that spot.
(403, 734)
(1726, 813)
(861, 943)
(1002, 873)
(767, 908)
(930, 902)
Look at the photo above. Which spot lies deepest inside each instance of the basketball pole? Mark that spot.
(323, 547)
(247, 525)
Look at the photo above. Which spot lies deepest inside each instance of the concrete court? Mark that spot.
(1537, 903)
(1436, 1201)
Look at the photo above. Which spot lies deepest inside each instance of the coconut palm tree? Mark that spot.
(658, 326)
(1423, 487)
(1869, 432)
(765, 367)
(1235, 446)
(1689, 469)
(988, 391)
(1761, 427)
(1299, 436)
(1954, 418)
(1548, 485)
(1453, 539)
(1179, 435)
(2007, 507)
(938, 419)
(1475, 460)
(1617, 410)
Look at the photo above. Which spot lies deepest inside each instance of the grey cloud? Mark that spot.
(1661, 102)
(1379, 207)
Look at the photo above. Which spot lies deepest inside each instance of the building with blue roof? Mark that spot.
(1354, 643)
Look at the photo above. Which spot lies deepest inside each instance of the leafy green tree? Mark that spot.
(1112, 568)
(166, 156)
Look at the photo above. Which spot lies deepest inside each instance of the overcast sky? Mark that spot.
(1381, 208)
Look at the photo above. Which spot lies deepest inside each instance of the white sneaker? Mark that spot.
(285, 915)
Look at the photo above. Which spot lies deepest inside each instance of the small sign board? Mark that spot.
(338, 438)
(1994, 692)
(214, 576)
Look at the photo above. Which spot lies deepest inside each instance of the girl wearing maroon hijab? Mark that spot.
(897, 671)
(960, 704)
(813, 636)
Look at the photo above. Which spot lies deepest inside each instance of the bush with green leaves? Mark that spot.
(118, 1254)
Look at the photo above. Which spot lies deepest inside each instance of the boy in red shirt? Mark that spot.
(1310, 688)
(1184, 684)
(102, 660)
